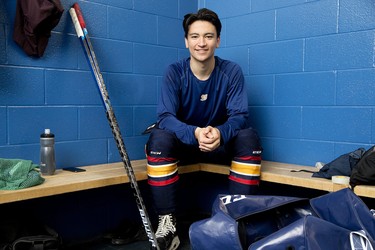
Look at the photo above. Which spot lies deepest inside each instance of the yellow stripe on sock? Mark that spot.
(245, 169)
(161, 170)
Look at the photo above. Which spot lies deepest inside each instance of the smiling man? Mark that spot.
(202, 117)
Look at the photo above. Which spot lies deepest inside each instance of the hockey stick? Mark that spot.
(81, 30)
(82, 24)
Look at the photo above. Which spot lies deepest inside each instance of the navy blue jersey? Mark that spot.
(187, 102)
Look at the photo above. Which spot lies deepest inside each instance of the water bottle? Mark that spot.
(47, 153)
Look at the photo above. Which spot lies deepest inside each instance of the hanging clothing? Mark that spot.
(33, 24)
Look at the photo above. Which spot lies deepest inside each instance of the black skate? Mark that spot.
(166, 235)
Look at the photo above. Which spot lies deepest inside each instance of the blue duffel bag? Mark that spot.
(337, 220)
(313, 233)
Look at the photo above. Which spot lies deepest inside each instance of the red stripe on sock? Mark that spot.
(243, 181)
(164, 182)
(250, 158)
(161, 159)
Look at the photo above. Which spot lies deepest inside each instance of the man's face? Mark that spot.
(202, 41)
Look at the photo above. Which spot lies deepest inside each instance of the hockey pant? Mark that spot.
(165, 152)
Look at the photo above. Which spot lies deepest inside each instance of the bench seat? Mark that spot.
(103, 175)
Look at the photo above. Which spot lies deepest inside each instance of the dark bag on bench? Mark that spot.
(364, 171)
(342, 165)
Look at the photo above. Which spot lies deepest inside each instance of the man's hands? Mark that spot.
(208, 138)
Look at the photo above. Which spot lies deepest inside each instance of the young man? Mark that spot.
(202, 117)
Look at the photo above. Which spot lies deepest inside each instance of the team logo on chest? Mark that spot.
(204, 97)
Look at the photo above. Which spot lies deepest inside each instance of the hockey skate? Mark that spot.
(166, 235)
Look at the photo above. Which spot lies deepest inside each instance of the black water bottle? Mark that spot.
(47, 153)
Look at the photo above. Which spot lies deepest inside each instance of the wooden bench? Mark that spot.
(103, 175)
(280, 173)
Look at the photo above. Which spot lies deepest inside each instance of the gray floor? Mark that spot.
(105, 244)
(140, 245)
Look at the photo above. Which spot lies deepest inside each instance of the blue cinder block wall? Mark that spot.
(309, 68)
(308, 65)
(134, 41)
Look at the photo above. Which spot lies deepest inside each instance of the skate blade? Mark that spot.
(175, 243)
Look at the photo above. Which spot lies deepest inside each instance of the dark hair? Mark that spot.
(202, 15)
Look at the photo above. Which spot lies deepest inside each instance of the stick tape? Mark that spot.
(340, 179)
(76, 22)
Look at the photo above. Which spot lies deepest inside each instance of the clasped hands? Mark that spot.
(208, 138)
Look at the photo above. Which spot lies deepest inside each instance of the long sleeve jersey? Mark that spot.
(187, 102)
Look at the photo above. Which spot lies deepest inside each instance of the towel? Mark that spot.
(17, 174)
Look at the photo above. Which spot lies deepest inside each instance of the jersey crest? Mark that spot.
(204, 97)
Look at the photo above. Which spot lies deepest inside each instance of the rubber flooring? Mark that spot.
(105, 244)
